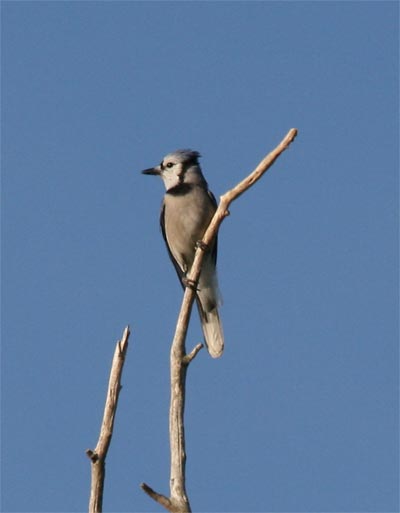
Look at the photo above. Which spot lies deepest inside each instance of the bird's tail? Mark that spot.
(212, 330)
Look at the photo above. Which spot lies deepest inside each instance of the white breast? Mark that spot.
(186, 218)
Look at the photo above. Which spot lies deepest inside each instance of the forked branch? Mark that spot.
(178, 501)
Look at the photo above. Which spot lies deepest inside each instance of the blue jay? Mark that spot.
(186, 212)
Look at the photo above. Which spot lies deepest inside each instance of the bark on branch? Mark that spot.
(178, 501)
(98, 455)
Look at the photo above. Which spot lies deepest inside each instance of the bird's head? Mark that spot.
(177, 168)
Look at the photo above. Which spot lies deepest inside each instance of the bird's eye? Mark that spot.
(170, 164)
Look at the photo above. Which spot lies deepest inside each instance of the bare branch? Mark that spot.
(98, 455)
(179, 502)
(227, 198)
(260, 170)
(193, 353)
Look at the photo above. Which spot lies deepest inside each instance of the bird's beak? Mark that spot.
(151, 171)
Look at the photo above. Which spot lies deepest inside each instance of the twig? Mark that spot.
(193, 353)
(178, 501)
(161, 499)
(98, 455)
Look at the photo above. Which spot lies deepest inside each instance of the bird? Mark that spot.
(186, 211)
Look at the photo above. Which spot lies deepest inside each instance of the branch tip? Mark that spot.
(123, 343)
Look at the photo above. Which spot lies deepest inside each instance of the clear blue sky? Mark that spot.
(301, 412)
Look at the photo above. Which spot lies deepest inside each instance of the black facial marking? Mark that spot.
(180, 189)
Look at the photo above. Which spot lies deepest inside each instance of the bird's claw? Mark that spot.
(202, 245)
(191, 284)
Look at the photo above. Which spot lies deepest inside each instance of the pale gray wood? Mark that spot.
(98, 455)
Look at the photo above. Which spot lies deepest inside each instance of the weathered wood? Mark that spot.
(98, 455)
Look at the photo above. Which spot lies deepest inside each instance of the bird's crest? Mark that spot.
(185, 155)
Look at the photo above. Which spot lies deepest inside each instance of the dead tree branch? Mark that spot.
(98, 455)
(178, 501)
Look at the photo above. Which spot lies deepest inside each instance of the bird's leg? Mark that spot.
(186, 282)
(202, 245)
(191, 284)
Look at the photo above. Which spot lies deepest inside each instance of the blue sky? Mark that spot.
(301, 412)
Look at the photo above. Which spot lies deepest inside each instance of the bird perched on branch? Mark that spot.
(186, 212)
